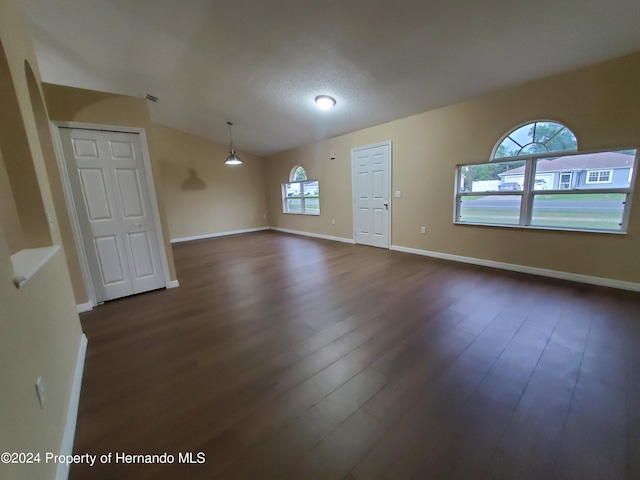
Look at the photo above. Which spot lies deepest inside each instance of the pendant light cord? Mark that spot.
(230, 134)
(232, 158)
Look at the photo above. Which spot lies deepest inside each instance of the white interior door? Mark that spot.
(371, 174)
(110, 191)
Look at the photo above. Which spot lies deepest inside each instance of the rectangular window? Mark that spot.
(592, 211)
(599, 176)
(301, 197)
(581, 191)
(565, 180)
(498, 209)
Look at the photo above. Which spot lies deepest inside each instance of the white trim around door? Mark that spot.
(68, 193)
(371, 168)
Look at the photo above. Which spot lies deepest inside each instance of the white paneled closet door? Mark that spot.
(109, 184)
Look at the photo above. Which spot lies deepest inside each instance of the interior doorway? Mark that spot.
(371, 178)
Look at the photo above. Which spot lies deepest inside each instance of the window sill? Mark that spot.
(26, 263)
(533, 227)
(302, 213)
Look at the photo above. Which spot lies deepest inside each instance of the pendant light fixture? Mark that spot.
(232, 158)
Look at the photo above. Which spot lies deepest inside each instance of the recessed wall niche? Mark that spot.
(23, 218)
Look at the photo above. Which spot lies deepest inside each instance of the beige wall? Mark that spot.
(233, 198)
(601, 104)
(203, 195)
(69, 104)
(24, 212)
(40, 332)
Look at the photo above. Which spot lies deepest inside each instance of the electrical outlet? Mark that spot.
(423, 230)
(333, 221)
(40, 391)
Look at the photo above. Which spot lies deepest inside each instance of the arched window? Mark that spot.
(536, 138)
(297, 173)
(301, 195)
(537, 179)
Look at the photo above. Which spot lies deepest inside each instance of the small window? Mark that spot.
(599, 176)
(300, 195)
(536, 138)
(593, 201)
(480, 182)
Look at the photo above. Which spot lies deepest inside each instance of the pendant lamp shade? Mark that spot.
(232, 158)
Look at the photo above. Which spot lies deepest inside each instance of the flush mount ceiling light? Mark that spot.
(325, 102)
(232, 158)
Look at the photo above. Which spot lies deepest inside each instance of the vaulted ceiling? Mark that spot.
(261, 63)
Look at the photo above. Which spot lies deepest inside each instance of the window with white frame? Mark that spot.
(301, 195)
(537, 179)
(599, 176)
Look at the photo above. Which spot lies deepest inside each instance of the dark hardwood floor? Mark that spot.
(285, 357)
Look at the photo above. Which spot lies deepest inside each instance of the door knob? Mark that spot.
(386, 205)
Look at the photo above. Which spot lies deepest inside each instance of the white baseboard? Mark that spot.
(84, 307)
(173, 284)
(574, 277)
(219, 234)
(62, 472)
(314, 235)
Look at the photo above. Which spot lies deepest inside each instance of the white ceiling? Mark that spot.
(260, 63)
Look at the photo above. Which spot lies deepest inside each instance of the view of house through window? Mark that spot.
(536, 180)
(301, 195)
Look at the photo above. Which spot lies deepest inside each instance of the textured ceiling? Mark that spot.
(260, 63)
